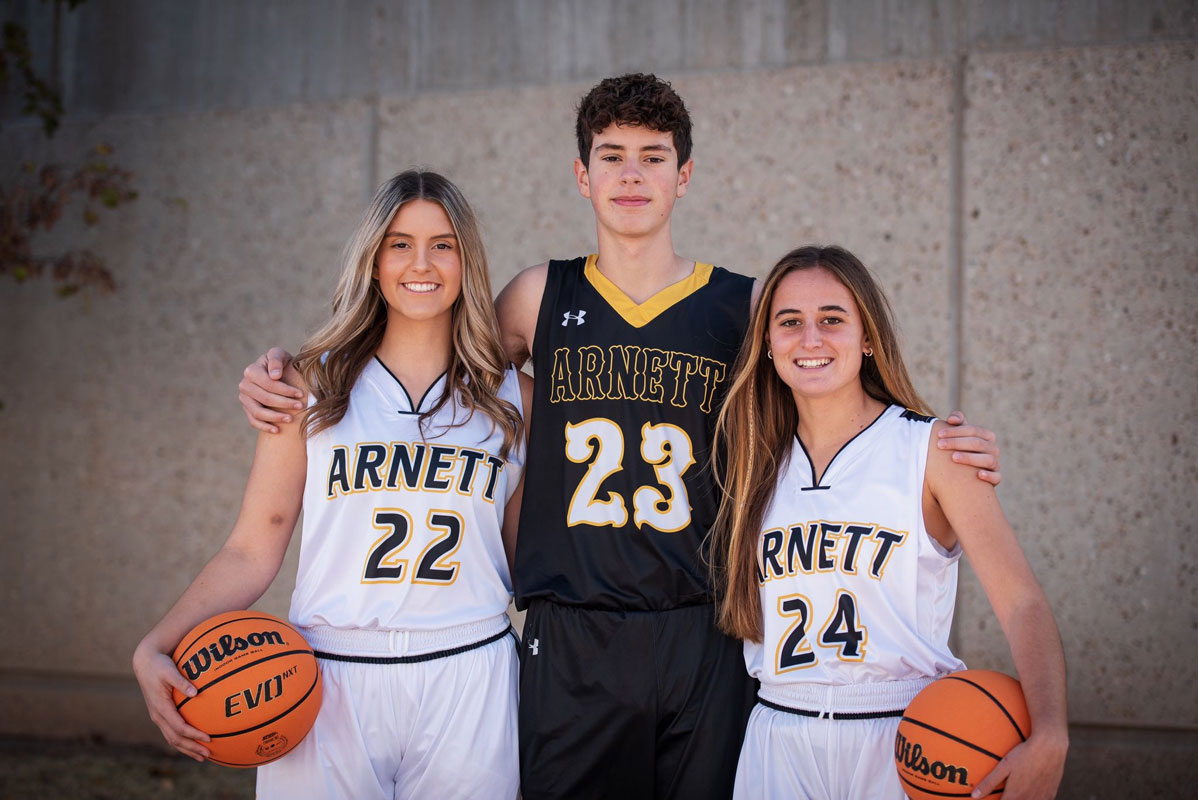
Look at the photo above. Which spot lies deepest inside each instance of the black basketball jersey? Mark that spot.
(618, 493)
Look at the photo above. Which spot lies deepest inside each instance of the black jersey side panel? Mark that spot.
(618, 496)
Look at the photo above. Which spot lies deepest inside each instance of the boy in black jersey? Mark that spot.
(627, 689)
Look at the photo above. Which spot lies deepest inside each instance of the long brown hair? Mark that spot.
(352, 336)
(759, 419)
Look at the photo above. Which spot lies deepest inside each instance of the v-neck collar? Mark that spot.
(817, 482)
(413, 408)
(640, 314)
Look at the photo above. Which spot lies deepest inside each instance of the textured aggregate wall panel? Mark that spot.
(856, 155)
(128, 450)
(1081, 336)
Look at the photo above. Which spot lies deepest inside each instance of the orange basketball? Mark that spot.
(257, 686)
(956, 730)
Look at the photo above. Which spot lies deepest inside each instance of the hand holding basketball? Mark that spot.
(1032, 770)
(157, 676)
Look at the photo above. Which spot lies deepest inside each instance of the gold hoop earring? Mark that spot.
(869, 352)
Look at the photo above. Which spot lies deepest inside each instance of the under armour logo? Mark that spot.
(535, 644)
(579, 318)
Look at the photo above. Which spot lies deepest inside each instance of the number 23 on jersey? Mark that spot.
(664, 447)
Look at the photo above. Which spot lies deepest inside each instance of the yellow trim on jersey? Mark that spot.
(640, 314)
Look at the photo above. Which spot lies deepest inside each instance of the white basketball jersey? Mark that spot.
(853, 589)
(402, 525)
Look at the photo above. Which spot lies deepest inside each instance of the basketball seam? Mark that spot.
(942, 794)
(956, 739)
(996, 702)
(242, 668)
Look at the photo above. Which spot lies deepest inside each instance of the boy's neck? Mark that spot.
(641, 266)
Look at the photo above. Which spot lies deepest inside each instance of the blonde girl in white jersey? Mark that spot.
(836, 544)
(407, 464)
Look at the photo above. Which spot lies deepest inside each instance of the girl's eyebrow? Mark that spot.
(392, 234)
(782, 311)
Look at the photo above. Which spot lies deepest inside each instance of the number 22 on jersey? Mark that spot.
(664, 447)
(383, 564)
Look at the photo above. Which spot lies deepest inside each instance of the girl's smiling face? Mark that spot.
(419, 263)
(816, 333)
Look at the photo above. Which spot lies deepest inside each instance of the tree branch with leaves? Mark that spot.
(38, 197)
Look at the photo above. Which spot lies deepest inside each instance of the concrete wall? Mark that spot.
(1020, 175)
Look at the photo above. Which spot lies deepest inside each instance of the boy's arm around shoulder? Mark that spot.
(517, 308)
(266, 394)
(511, 513)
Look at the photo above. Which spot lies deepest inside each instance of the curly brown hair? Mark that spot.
(633, 99)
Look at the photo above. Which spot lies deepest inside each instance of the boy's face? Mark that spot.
(633, 179)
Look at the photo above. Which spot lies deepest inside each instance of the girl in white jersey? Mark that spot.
(836, 549)
(407, 465)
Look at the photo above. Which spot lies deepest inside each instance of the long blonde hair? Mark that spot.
(352, 336)
(756, 425)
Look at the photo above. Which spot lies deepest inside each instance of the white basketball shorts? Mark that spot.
(441, 727)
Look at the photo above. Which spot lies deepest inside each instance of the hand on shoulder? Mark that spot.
(972, 445)
(267, 396)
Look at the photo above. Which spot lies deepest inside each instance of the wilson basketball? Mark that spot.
(257, 686)
(956, 730)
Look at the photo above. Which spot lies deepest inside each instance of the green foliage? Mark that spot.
(37, 200)
(40, 99)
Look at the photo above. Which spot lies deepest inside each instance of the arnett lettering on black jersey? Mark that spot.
(630, 372)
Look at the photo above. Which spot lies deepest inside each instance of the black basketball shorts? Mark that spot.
(629, 704)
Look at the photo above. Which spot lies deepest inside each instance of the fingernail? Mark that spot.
(190, 691)
(957, 456)
(287, 418)
(297, 404)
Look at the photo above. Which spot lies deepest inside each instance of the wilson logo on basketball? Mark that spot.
(910, 755)
(203, 660)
